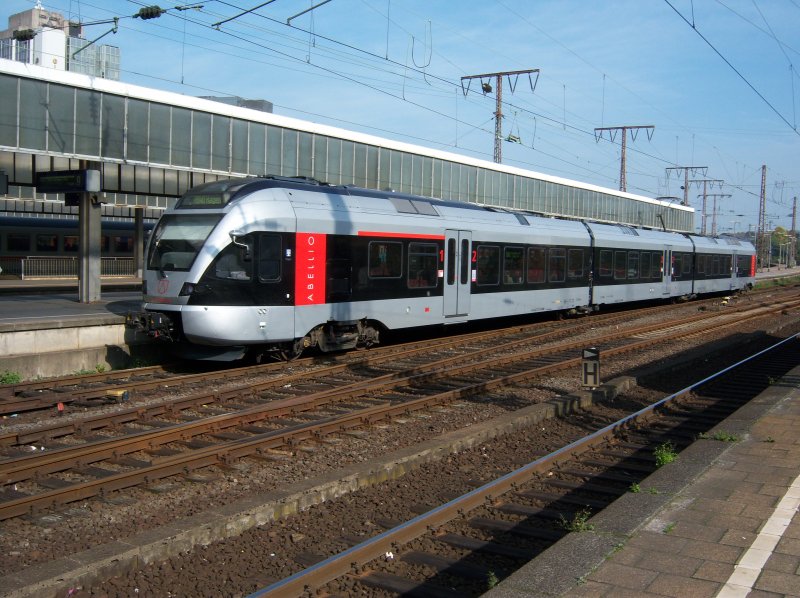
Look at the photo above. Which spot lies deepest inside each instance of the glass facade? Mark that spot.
(154, 148)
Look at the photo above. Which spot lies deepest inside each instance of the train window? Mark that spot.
(104, 243)
(606, 269)
(488, 267)
(727, 263)
(536, 264)
(686, 267)
(658, 265)
(620, 259)
(675, 266)
(422, 265)
(715, 268)
(71, 243)
(465, 261)
(701, 264)
(633, 264)
(451, 261)
(48, 243)
(123, 244)
(575, 264)
(269, 258)
(557, 258)
(231, 264)
(385, 259)
(18, 242)
(644, 264)
(513, 265)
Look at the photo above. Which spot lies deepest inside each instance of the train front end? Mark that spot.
(215, 280)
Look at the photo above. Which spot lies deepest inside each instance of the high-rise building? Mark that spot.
(54, 43)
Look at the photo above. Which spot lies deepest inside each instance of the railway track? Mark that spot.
(105, 388)
(466, 546)
(155, 449)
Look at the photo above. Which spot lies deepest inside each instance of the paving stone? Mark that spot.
(780, 583)
(783, 563)
(680, 587)
(720, 553)
(624, 576)
(714, 571)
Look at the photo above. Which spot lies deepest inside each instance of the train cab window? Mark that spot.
(633, 264)
(18, 242)
(644, 264)
(70, 243)
(488, 267)
(606, 266)
(537, 264)
(232, 264)
(557, 258)
(513, 265)
(385, 259)
(575, 264)
(422, 265)
(47, 243)
(620, 263)
(269, 258)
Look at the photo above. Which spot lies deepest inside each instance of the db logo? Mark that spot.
(163, 285)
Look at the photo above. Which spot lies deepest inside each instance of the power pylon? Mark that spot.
(686, 169)
(612, 133)
(486, 87)
(706, 183)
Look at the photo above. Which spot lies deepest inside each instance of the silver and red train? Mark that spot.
(278, 265)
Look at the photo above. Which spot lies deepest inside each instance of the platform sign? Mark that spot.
(68, 181)
(590, 368)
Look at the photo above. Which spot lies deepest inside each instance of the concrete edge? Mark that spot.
(566, 564)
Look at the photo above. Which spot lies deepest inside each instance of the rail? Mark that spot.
(33, 267)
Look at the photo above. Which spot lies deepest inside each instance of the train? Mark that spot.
(24, 236)
(277, 265)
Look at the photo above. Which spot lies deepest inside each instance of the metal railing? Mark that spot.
(32, 267)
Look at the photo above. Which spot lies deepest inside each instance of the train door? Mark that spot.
(457, 275)
(666, 269)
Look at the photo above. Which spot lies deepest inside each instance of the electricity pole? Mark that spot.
(714, 211)
(612, 133)
(793, 246)
(761, 242)
(694, 170)
(486, 87)
(705, 182)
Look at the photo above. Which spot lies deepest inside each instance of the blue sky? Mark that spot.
(392, 68)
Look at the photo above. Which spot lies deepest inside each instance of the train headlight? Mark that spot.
(186, 290)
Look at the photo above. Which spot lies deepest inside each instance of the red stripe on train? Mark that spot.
(372, 233)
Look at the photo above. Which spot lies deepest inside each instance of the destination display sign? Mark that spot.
(68, 181)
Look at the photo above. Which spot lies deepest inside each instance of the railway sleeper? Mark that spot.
(403, 586)
(486, 546)
(588, 487)
(569, 499)
(518, 529)
(446, 565)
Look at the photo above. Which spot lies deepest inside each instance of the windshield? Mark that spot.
(177, 240)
